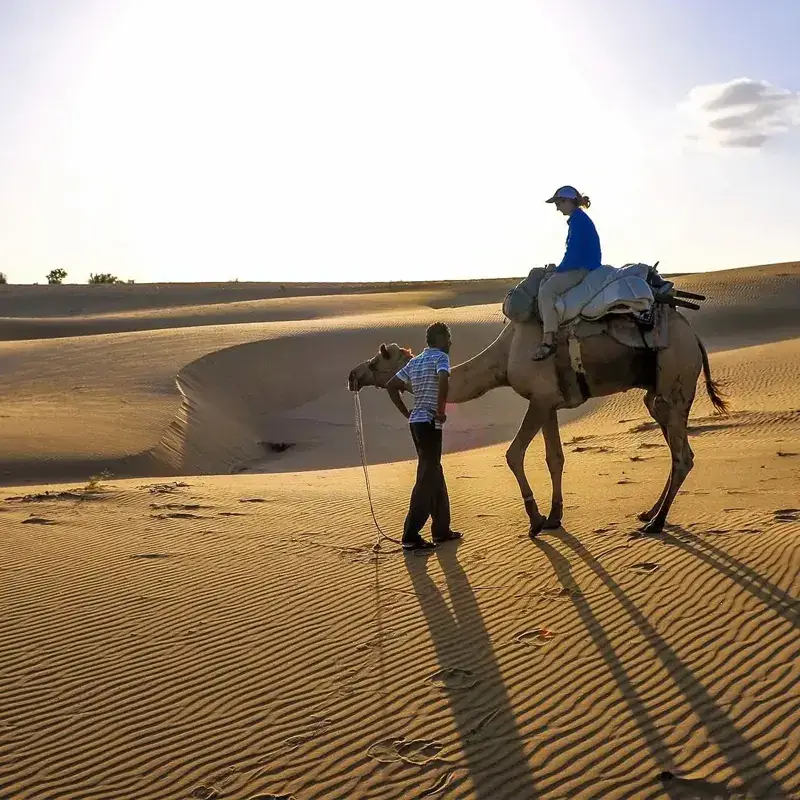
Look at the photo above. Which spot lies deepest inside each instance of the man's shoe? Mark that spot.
(417, 543)
(447, 536)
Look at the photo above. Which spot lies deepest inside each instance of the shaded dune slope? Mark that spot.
(316, 418)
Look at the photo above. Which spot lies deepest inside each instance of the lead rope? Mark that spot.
(363, 453)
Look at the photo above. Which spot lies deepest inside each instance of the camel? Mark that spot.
(668, 376)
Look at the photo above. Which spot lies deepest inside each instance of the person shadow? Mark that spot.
(490, 739)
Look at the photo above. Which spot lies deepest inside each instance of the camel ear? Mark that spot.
(384, 351)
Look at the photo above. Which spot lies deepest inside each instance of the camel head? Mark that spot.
(378, 370)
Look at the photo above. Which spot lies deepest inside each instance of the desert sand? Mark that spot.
(191, 606)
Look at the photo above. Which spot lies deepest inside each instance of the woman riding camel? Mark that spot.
(581, 257)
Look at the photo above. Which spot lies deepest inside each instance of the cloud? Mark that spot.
(742, 113)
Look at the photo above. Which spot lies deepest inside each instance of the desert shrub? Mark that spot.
(56, 276)
(104, 277)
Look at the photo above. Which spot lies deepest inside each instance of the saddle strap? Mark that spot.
(574, 346)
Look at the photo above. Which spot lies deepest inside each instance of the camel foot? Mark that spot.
(654, 526)
(645, 516)
(536, 526)
(551, 523)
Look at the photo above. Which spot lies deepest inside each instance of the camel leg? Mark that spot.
(554, 453)
(515, 458)
(646, 516)
(674, 418)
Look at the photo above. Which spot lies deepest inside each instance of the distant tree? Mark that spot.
(56, 276)
(3, 278)
(104, 277)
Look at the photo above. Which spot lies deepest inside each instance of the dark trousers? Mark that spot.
(429, 495)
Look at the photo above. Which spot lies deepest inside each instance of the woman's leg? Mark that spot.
(549, 291)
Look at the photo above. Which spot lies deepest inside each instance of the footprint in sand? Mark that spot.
(644, 567)
(453, 678)
(441, 784)
(561, 593)
(787, 514)
(483, 728)
(177, 506)
(417, 751)
(252, 500)
(232, 514)
(272, 797)
(33, 520)
(315, 727)
(696, 788)
(151, 555)
(165, 488)
(538, 637)
(177, 515)
(204, 793)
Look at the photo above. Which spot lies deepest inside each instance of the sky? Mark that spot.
(291, 140)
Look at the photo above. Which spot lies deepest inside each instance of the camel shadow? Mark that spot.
(469, 673)
(652, 739)
(740, 754)
(778, 600)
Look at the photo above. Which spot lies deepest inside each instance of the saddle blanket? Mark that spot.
(606, 290)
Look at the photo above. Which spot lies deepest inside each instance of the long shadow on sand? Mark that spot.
(491, 741)
(651, 737)
(741, 755)
(778, 600)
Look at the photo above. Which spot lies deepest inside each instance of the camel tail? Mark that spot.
(712, 387)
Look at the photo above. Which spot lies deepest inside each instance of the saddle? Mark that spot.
(620, 302)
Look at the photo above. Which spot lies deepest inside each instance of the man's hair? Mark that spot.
(435, 331)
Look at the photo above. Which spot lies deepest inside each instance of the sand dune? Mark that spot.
(175, 631)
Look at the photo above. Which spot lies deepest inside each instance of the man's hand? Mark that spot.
(393, 388)
(441, 418)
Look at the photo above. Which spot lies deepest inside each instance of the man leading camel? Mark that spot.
(581, 257)
(429, 374)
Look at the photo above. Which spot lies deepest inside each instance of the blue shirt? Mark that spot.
(423, 372)
(583, 244)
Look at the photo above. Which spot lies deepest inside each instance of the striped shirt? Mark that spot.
(423, 372)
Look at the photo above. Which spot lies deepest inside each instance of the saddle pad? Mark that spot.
(607, 290)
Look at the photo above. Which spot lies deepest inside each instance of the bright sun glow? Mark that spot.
(313, 141)
(361, 140)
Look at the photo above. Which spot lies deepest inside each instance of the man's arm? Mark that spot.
(441, 401)
(393, 387)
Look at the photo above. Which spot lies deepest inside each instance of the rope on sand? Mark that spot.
(363, 453)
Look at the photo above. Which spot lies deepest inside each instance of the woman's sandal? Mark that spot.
(545, 351)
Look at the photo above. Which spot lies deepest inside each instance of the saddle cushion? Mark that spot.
(607, 290)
